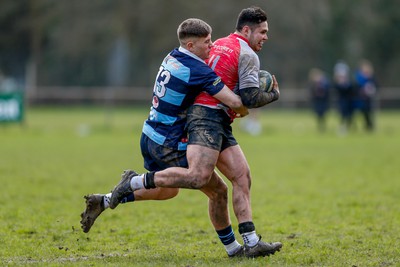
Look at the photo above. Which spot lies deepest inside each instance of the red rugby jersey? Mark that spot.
(236, 63)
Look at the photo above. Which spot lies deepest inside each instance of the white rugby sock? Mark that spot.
(250, 238)
(137, 182)
(232, 247)
(106, 200)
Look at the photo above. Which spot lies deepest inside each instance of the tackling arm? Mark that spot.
(232, 100)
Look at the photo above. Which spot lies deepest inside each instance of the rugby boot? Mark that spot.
(262, 249)
(123, 188)
(94, 207)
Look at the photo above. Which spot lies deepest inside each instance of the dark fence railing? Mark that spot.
(291, 98)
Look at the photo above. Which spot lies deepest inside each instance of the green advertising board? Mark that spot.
(11, 107)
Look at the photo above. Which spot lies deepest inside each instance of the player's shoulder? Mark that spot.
(198, 68)
(191, 63)
(248, 56)
(202, 71)
(229, 40)
(187, 59)
(246, 50)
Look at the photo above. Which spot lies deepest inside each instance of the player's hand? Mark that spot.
(242, 113)
(275, 84)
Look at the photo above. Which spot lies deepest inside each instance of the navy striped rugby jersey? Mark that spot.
(182, 76)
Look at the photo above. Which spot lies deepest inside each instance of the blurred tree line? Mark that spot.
(121, 42)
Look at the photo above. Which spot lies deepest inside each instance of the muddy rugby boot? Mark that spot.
(94, 207)
(262, 249)
(122, 189)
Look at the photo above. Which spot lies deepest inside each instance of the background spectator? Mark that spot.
(319, 89)
(366, 91)
(345, 92)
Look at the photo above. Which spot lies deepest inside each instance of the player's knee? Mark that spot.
(243, 179)
(199, 179)
(247, 180)
(198, 182)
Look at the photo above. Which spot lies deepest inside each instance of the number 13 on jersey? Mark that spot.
(162, 80)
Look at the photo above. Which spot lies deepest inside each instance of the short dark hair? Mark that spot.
(251, 16)
(193, 28)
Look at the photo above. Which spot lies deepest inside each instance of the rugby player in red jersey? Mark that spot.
(211, 142)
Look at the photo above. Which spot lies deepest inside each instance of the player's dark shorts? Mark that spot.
(157, 157)
(210, 128)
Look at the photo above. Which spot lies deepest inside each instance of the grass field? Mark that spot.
(332, 200)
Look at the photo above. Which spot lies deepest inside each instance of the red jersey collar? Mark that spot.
(240, 37)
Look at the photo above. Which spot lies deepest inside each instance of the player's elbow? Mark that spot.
(255, 98)
(249, 97)
(249, 103)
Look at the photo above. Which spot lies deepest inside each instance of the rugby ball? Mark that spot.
(266, 81)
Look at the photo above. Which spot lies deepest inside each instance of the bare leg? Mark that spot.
(200, 175)
(201, 161)
(156, 194)
(217, 192)
(233, 164)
